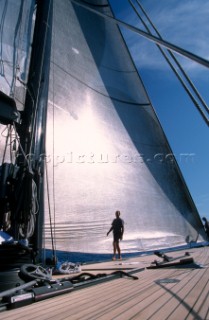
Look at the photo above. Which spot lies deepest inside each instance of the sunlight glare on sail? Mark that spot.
(80, 136)
(75, 50)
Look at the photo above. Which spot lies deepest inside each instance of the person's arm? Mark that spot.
(109, 230)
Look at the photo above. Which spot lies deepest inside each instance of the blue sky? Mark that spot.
(185, 24)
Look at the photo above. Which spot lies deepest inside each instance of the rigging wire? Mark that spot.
(175, 59)
(17, 34)
(10, 141)
(177, 63)
(12, 144)
(53, 53)
(144, 34)
(53, 235)
(1, 38)
(50, 214)
(6, 144)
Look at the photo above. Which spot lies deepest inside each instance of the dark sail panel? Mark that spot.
(16, 29)
(106, 150)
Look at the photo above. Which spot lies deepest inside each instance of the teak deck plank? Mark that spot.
(175, 293)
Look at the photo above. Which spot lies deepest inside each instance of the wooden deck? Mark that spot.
(179, 292)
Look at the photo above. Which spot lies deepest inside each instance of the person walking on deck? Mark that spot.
(118, 230)
(206, 226)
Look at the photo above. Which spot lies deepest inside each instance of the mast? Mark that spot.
(32, 128)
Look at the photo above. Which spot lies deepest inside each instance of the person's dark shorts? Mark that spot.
(116, 237)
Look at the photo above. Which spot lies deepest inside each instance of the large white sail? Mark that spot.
(106, 150)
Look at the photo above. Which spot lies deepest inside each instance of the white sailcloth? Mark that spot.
(106, 150)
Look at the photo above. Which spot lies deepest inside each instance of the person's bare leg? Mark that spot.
(114, 250)
(118, 249)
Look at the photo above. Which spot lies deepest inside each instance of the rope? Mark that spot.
(27, 223)
(85, 276)
(27, 227)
